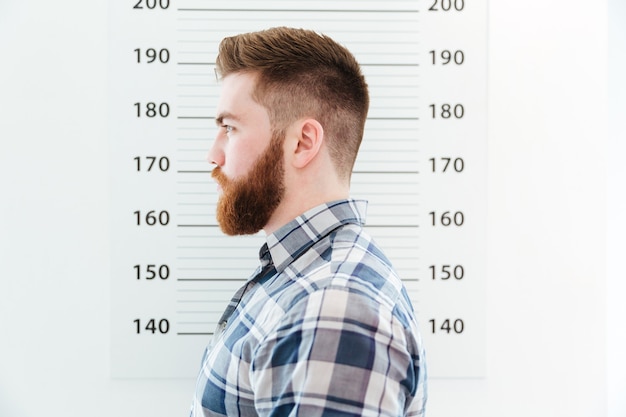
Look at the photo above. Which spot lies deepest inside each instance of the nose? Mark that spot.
(216, 152)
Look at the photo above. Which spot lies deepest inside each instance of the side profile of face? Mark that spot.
(248, 158)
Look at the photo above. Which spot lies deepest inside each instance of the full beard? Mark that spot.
(247, 204)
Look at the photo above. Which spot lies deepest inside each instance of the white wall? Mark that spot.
(616, 207)
(547, 286)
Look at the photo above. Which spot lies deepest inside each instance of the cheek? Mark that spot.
(239, 161)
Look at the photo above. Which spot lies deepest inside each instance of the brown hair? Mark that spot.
(304, 74)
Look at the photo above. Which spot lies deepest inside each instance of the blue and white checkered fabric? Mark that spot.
(323, 328)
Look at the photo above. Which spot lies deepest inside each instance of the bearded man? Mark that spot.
(324, 327)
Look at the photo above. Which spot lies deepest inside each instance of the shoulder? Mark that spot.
(345, 281)
(349, 262)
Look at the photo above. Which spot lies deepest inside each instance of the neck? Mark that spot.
(300, 197)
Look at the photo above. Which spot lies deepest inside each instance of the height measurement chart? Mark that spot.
(422, 166)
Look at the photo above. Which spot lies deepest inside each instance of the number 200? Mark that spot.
(152, 4)
(447, 5)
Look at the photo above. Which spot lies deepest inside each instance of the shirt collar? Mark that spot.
(293, 239)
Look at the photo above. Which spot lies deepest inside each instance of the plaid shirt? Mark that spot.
(323, 328)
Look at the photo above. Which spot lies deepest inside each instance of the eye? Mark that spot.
(227, 128)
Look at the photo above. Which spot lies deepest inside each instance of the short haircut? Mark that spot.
(301, 73)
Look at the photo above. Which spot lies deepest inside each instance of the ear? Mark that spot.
(310, 137)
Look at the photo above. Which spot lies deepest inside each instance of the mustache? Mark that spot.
(219, 177)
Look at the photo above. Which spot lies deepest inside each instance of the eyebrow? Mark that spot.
(219, 119)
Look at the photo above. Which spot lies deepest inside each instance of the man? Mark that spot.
(324, 327)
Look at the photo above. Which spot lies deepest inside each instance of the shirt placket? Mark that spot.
(265, 270)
